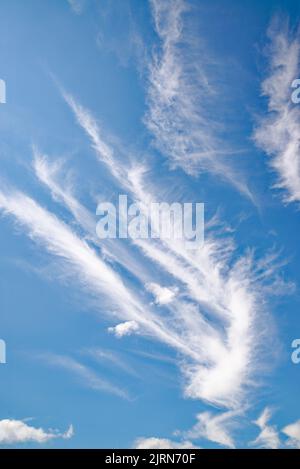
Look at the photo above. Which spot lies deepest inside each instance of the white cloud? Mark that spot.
(217, 331)
(268, 437)
(216, 428)
(56, 177)
(90, 270)
(124, 328)
(162, 443)
(181, 101)
(278, 132)
(163, 295)
(17, 431)
(293, 432)
(104, 152)
(225, 327)
(61, 241)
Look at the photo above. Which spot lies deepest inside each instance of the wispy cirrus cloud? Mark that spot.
(215, 428)
(56, 177)
(92, 272)
(100, 355)
(59, 239)
(86, 375)
(182, 99)
(104, 152)
(277, 132)
(268, 437)
(220, 429)
(223, 358)
(209, 307)
(215, 323)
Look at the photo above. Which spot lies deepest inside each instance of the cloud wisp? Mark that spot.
(212, 316)
(277, 133)
(222, 324)
(83, 263)
(292, 431)
(181, 100)
(86, 375)
(215, 428)
(268, 437)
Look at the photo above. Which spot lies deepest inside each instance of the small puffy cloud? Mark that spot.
(293, 432)
(124, 328)
(162, 295)
(17, 431)
(162, 443)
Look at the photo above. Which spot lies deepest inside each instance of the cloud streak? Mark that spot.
(268, 437)
(277, 133)
(181, 99)
(85, 375)
(215, 428)
(224, 325)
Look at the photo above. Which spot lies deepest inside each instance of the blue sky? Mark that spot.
(121, 343)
